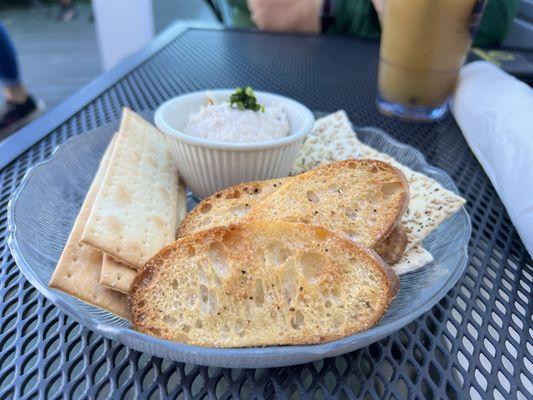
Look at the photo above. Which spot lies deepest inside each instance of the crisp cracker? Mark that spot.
(182, 202)
(331, 139)
(115, 275)
(78, 270)
(430, 203)
(135, 211)
(413, 259)
(118, 276)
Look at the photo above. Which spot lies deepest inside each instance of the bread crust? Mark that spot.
(392, 248)
(278, 205)
(220, 202)
(152, 280)
(258, 207)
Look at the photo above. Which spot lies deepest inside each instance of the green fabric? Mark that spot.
(240, 14)
(358, 18)
(497, 19)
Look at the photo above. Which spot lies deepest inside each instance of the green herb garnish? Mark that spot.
(244, 99)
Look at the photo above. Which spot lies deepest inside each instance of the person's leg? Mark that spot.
(14, 90)
(67, 11)
(20, 107)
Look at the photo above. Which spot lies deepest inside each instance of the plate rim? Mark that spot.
(234, 357)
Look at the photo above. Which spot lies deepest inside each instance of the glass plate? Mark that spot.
(44, 207)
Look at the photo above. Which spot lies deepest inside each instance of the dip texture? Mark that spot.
(223, 123)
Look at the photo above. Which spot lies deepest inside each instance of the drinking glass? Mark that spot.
(423, 45)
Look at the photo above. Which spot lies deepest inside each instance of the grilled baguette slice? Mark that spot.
(227, 206)
(391, 249)
(230, 205)
(261, 283)
(234, 203)
(361, 200)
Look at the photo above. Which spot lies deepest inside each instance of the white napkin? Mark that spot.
(495, 113)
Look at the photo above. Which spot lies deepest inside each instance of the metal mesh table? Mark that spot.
(476, 342)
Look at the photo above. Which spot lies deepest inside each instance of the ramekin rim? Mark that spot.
(163, 125)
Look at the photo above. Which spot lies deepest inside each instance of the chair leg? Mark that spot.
(213, 5)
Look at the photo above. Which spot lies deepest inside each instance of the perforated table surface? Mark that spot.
(476, 342)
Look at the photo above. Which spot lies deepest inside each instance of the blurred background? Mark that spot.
(62, 45)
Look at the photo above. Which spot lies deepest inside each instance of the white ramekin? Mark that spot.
(207, 166)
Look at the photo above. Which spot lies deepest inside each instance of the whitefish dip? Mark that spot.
(223, 123)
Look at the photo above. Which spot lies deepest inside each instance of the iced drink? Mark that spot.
(423, 45)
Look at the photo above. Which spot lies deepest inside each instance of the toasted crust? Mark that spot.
(251, 201)
(430, 203)
(392, 248)
(361, 200)
(261, 283)
(227, 206)
(218, 210)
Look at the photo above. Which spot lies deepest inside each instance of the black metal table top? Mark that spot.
(476, 342)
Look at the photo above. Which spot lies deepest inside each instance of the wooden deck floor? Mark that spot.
(56, 59)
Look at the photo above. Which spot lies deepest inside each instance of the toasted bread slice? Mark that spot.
(392, 248)
(231, 205)
(227, 206)
(361, 200)
(234, 203)
(430, 203)
(261, 283)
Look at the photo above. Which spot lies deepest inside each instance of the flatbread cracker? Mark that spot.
(78, 270)
(331, 139)
(182, 202)
(115, 275)
(430, 203)
(135, 211)
(118, 276)
(412, 260)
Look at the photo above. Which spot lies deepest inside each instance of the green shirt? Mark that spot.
(358, 18)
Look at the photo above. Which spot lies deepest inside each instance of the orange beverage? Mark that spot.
(423, 45)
